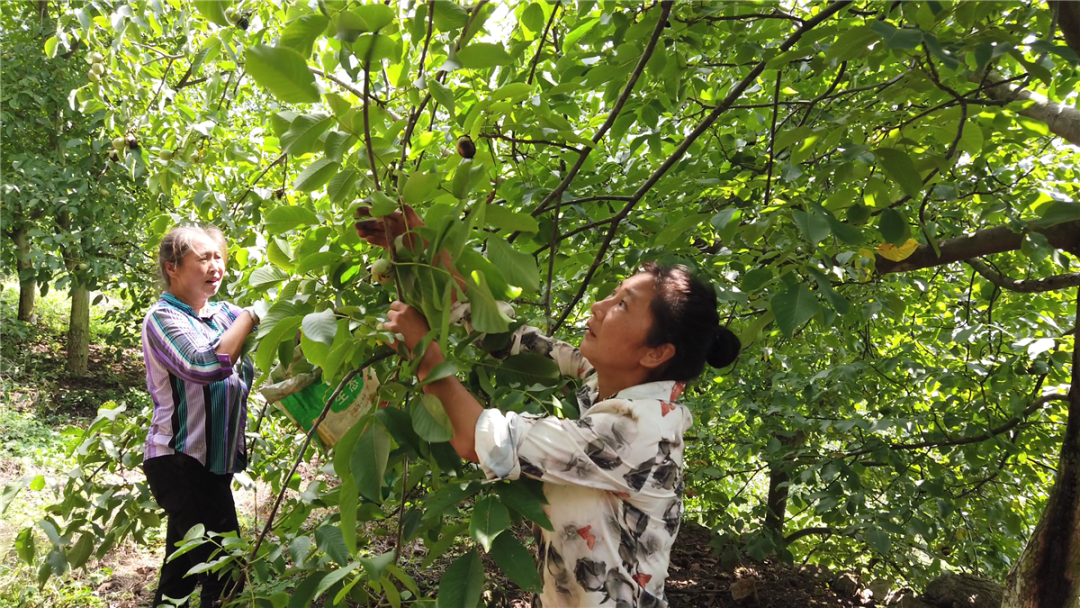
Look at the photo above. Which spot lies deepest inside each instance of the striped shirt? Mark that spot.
(200, 400)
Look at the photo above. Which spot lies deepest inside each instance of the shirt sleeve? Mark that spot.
(528, 339)
(619, 446)
(183, 350)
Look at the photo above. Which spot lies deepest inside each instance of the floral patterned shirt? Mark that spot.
(613, 480)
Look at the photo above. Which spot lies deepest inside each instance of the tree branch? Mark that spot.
(540, 48)
(1062, 120)
(794, 536)
(735, 92)
(665, 10)
(1061, 281)
(1029, 410)
(1064, 236)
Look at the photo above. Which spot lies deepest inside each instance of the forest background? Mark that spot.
(883, 192)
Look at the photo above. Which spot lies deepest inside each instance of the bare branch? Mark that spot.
(1061, 281)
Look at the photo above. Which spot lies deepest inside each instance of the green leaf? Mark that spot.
(463, 582)
(333, 578)
(442, 94)
(527, 369)
(680, 227)
(80, 551)
(575, 34)
(283, 72)
(443, 370)
(896, 38)
(376, 16)
(518, 268)
(285, 218)
(515, 91)
(317, 260)
(879, 540)
(265, 276)
(50, 47)
(794, 307)
(790, 136)
(894, 227)
(516, 561)
(510, 221)
(268, 345)
(331, 542)
(338, 145)
(449, 16)
(901, 169)
(375, 46)
(450, 495)
(304, 133)
(480, 55)
(368, 462)
(486, 316)
(300, 34)
(320, 326)
(399, 424)
(382, 205)
(489, 518)
(519, 496)
(851, 44)
(1058, 212)
(420, 187)
(304, 594)
(342, 186)
(814, 226)
(430, 420)
(316, 175)
(213, 11)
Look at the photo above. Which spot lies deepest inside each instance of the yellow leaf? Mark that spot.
(894, 253)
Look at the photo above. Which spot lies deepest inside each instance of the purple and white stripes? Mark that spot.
(200, 398)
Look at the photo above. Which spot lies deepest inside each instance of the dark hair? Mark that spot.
(684, 315)
(177, 243)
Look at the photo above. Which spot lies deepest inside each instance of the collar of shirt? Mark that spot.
(664, 390)
(209, 310)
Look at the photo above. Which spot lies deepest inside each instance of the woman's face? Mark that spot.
(198, 276)
(615, 338)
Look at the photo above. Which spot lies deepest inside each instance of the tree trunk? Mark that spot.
(1067, 13)
(28, 284)
(1047, 575)
(776, 503)
(78, 340)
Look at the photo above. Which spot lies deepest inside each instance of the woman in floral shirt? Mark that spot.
(613, 477)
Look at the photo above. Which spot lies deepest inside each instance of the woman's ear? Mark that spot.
(657, 356)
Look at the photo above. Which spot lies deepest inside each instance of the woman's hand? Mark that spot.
(374, 230)
(408, 322)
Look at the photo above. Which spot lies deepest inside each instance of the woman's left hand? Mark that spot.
(408, 322)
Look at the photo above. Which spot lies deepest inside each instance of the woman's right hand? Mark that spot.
(374, 230)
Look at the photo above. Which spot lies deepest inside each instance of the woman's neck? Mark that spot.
(196, 303)
(612, 383)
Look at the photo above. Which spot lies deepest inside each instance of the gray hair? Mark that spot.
(177, 243)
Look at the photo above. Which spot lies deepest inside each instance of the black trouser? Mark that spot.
(190, 494)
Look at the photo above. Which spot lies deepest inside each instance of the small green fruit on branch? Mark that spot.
(382, 272)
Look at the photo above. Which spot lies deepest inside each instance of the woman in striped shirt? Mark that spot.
(199, 385)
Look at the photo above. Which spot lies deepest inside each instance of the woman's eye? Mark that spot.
(622, 303)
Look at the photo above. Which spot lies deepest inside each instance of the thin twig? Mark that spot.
(296, 463)
(251, 186)
(772, 139)
(401, 508)
(540, 47)
(665, 10)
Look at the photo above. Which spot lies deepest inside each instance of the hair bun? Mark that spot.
(725, 348)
